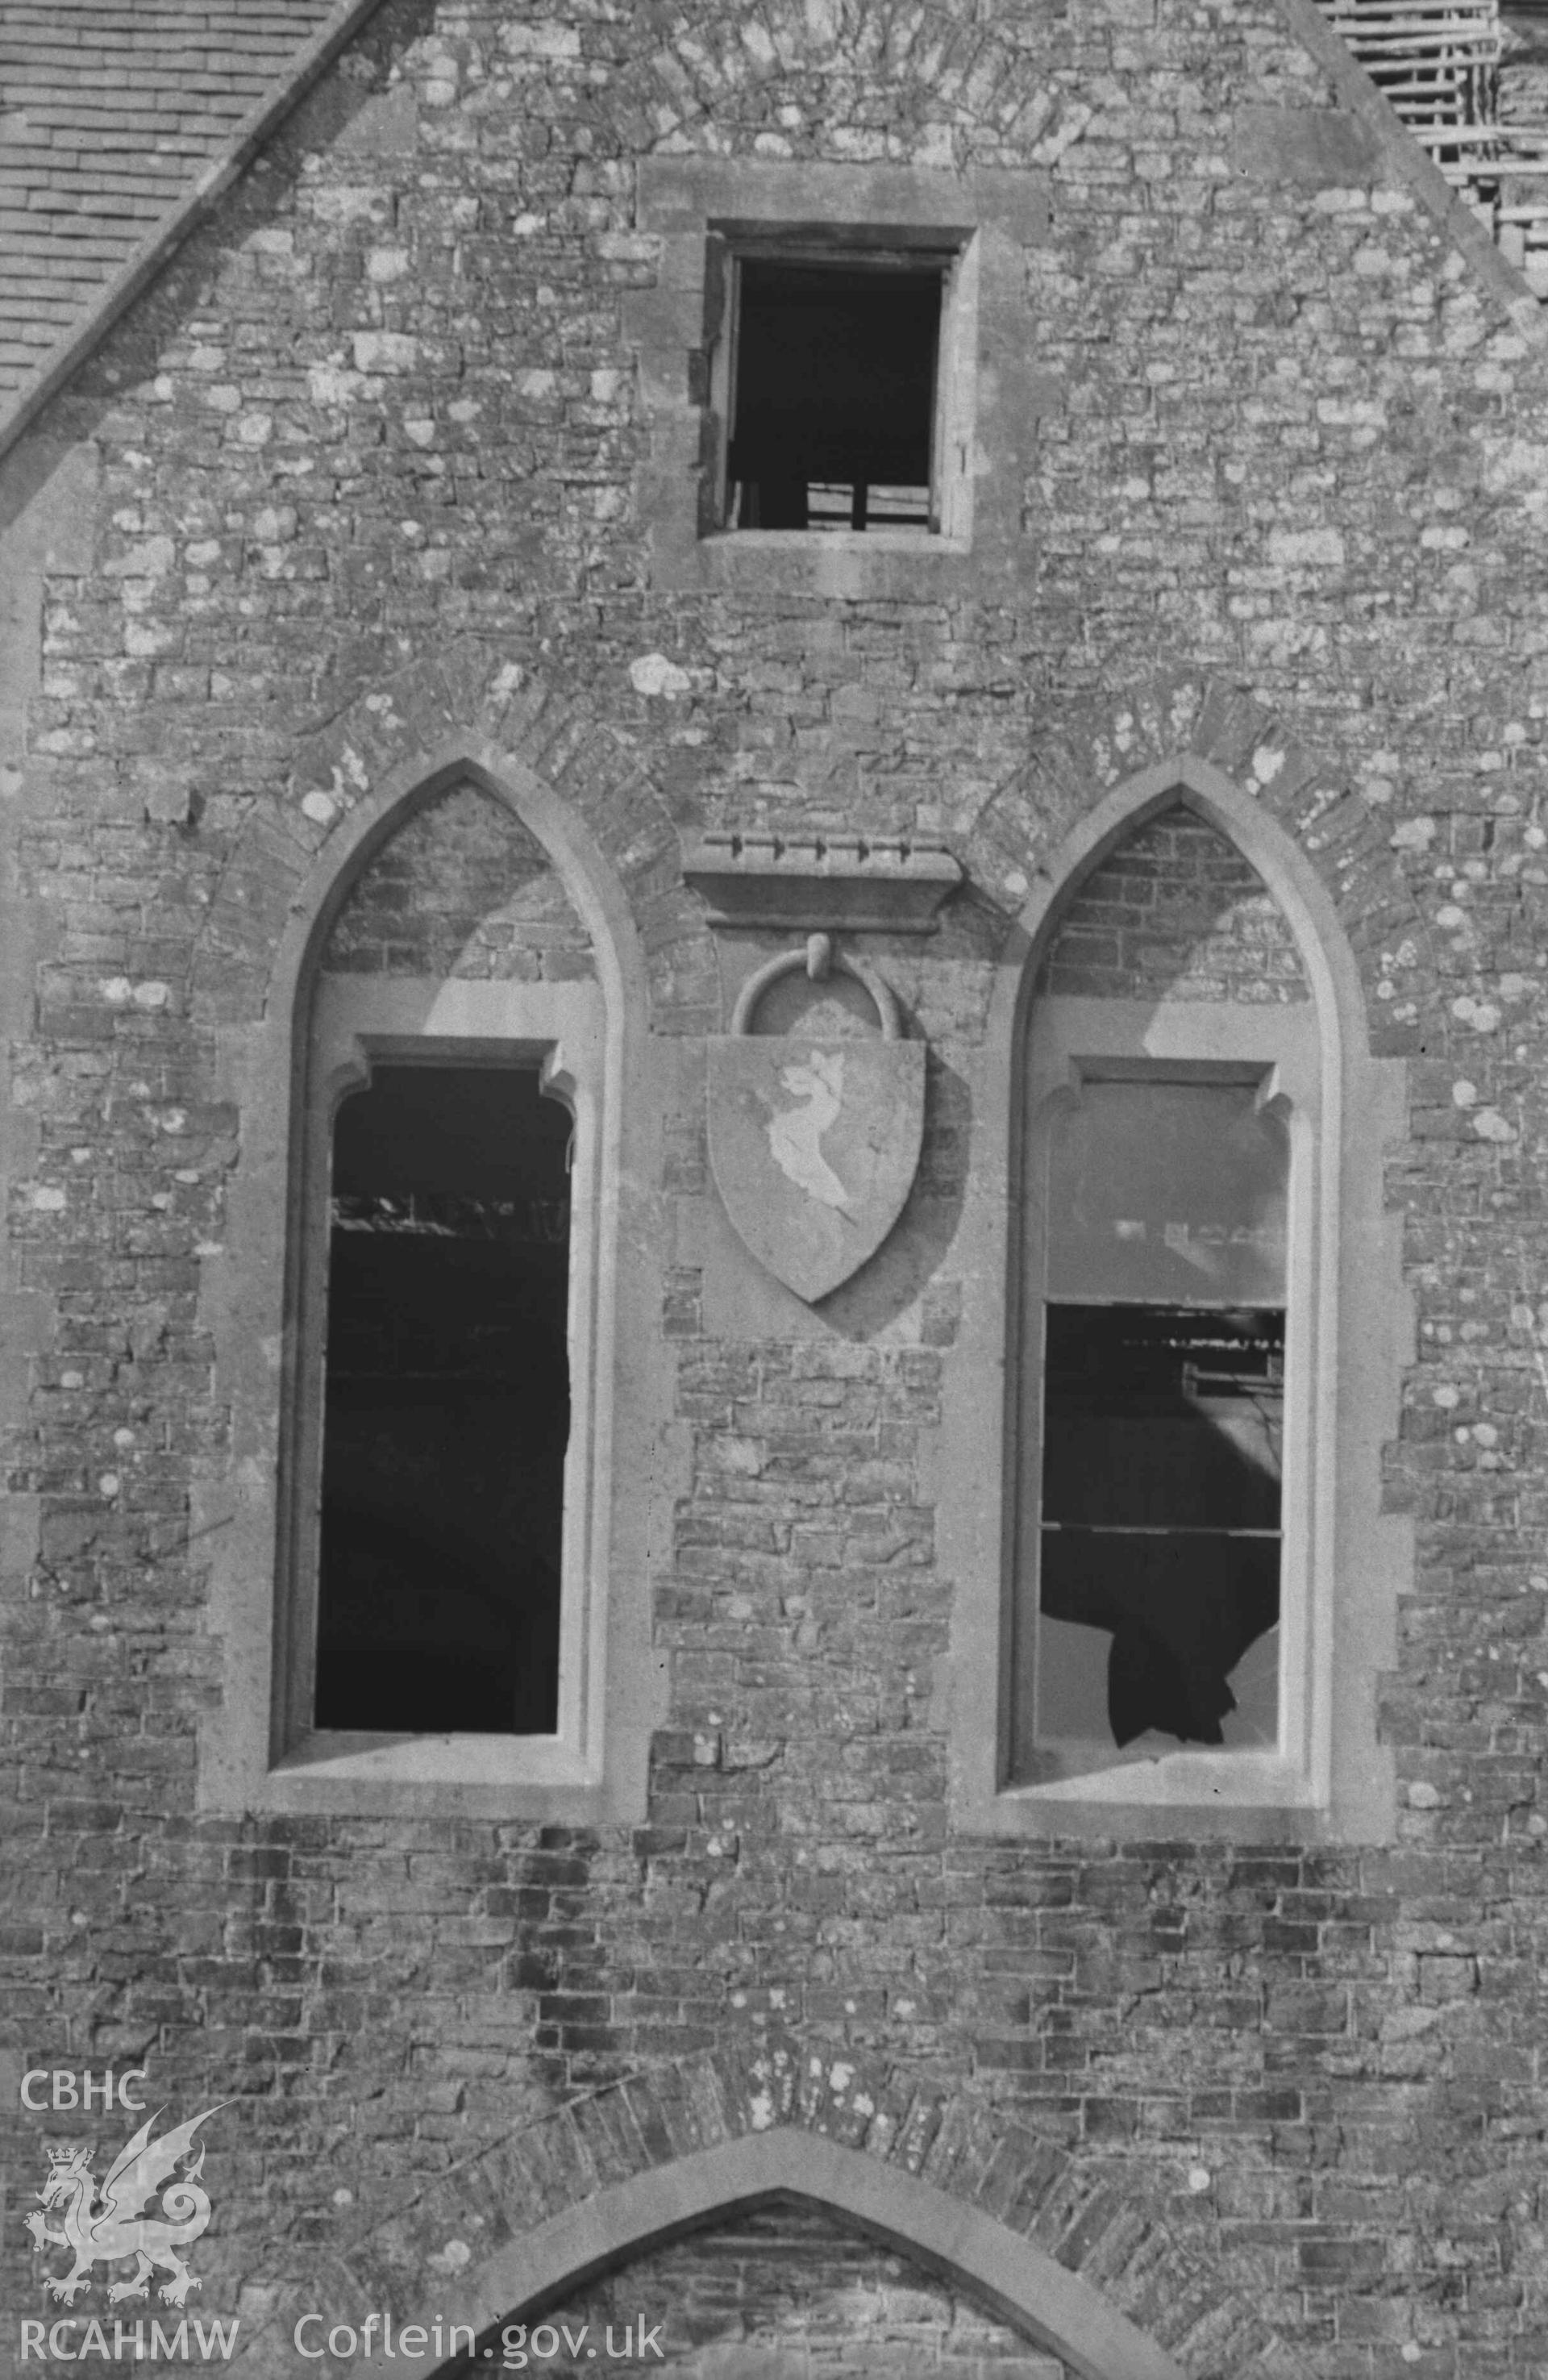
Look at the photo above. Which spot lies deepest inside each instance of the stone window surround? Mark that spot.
(1332, 1779)
(360, 1021)
(1181, 1038)
(988, 386)
(952, 250)
(285, 1075)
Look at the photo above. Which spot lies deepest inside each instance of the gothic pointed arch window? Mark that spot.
(448, 1031)
(1204, 1330)
(1163, 1445)
(451, 1124)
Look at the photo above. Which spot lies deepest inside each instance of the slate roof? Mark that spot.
(110, 113)
(122, 121)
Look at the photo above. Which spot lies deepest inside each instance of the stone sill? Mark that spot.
(1248, 1797)
(854, 540)
(844, 564)
(535, 1780)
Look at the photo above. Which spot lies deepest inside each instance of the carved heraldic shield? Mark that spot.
(814, 1139)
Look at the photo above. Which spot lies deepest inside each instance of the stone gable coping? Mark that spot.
(1410, 165)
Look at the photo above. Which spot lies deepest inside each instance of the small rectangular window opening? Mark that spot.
(834, 415)
(446, 1405)
(1162, 1397)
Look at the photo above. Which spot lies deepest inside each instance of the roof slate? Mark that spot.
(109, 112)
(123, 122)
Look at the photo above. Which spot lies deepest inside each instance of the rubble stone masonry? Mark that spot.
(361, 476)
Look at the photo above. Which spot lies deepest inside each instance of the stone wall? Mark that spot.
(365, 468)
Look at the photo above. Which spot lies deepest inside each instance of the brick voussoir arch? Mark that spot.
(464, 712)
(1191, 715)
(972, 83)
(1053, 2242)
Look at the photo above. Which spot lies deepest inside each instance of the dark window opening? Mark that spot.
(446, 1405)
(1163, 1430)
(833, 421)
(1159, 1546)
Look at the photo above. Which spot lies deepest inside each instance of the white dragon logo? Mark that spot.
(119, 2225)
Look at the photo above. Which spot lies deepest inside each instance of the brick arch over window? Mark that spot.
(1335, 1775)
(358, 834)
(1077, 2252)
(958, 84)
(279, 905)
(355, 781)
(1193, 785)
(1032, 835)
(1011, 2275)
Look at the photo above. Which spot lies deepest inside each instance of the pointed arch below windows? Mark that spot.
(462, 918)
(1010, 2276)
(789, 2286)
(926, 2159)
(1070, 1006)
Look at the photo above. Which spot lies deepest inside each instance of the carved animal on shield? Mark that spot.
(794, 1135)
(118, 2225)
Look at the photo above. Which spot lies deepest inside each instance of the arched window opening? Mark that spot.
(1195, 1291)
(1163, 1373)
(424, 1587)
(440, 1460)
(1164, 1437)
(446, 1405)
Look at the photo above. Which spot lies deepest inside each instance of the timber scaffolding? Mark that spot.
(1438, 62)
